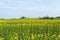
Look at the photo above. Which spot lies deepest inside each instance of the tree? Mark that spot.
(23, 17)
(47, 17)
(58, 17)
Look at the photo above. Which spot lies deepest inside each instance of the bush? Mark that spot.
(23, 17)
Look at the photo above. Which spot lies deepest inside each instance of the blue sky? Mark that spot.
(29, 8)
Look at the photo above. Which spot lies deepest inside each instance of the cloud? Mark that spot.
(38, 0)
(1, 4)
(12, 8)
(32, 6)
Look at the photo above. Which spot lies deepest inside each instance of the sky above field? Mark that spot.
(29, 8)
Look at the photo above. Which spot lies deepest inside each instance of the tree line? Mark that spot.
(45, 17)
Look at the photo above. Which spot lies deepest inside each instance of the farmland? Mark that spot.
(30, 29)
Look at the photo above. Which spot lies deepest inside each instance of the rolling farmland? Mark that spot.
(30, 29)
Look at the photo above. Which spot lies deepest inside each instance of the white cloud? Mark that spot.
(37, 0)
(39, 8)
(1, 4)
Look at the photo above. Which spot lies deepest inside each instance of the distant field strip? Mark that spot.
(30, 29)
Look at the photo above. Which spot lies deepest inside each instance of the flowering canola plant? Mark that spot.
(30, 29)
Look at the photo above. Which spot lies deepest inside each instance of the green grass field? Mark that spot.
(30, 29)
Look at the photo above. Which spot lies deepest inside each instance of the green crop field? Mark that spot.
(30, 29)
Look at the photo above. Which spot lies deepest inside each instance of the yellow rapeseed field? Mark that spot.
(30, 29)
